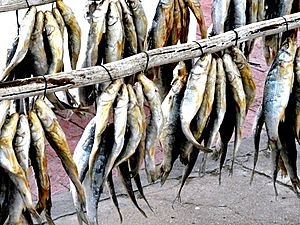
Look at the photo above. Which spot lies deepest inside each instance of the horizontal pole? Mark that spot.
(134, 64)
(10, 5)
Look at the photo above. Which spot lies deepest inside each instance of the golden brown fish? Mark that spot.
(38, 160)
(220, 102)
(55, 43)
(21, 145)
(74, 32)
(206, 107)
(57, 139)
(246, 74)
(196, 8)
(26, 29)
(138, 157)
(9, 163)
(60, 20)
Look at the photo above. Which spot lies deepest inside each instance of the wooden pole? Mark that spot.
(10, 5)
(131, 65)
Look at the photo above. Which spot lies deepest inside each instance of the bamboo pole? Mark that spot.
(10, 5)
(131, 65)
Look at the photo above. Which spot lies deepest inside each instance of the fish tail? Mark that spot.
(257, 132)
(139, 186)
(275, 153)
(48, 207)
(124, 171)
(188, 169)
(35, 215)
(164, 177)
(112, 192)
(222, 159)
(202, 167)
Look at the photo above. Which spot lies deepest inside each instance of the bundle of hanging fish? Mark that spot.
(120, 135)
(38, 49)
(22, 139)
(274, 9)
(212, 98)
(279, 113)
(231, 14)
(169, 26)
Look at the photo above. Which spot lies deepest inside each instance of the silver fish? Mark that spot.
(120, 121)
(193, 95)
(155, 125)
(81, 158)
(278, 87)
(135, 125)
(26, 29)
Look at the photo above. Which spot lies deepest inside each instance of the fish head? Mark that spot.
(134, 4)
(22, 125)
(10, 127)
(44, 112)
(203, 62)
(112, 14)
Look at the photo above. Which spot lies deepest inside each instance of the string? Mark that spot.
(18, 24)
(286, 23)
(147, 62)
(107, 72)
(27, 3)
(236, 37)
(199, 47)
(46, 85)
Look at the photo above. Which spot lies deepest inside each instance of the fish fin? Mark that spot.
(113, 196)
(257, 128)
(126, 180)
(188, 169)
